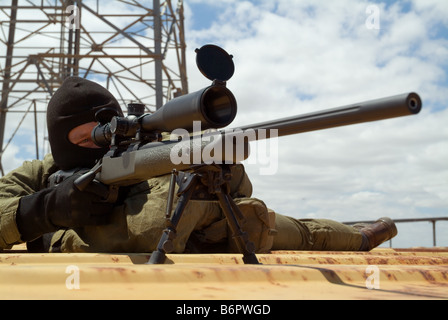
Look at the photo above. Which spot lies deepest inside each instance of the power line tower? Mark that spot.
(135, 48)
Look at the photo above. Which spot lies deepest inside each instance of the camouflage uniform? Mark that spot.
(138, 221)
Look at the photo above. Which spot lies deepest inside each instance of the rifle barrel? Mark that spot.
(373, 110)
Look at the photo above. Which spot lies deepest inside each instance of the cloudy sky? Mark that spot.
(299, 56)
(294, 57)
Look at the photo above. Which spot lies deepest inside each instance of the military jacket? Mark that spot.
(137, 222)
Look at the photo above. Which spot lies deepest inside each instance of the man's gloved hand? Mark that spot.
(63, 206)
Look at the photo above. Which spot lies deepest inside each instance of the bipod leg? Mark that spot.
(169, 234)
(246, 247)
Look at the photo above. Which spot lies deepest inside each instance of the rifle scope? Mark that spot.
(215, 107)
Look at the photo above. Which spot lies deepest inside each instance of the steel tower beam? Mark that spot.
(135, 48)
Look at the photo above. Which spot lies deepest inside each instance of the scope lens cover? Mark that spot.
(104, 115)
(215, 63)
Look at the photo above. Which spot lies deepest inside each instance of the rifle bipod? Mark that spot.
(205, 183)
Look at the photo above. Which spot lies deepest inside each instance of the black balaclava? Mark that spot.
(75, 103)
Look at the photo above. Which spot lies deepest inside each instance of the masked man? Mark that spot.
(63, 219)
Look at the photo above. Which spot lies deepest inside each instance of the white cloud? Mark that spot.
(12, 158)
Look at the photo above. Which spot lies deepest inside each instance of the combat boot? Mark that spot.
(376, 233)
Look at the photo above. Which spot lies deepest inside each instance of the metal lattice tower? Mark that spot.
(136, 51)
